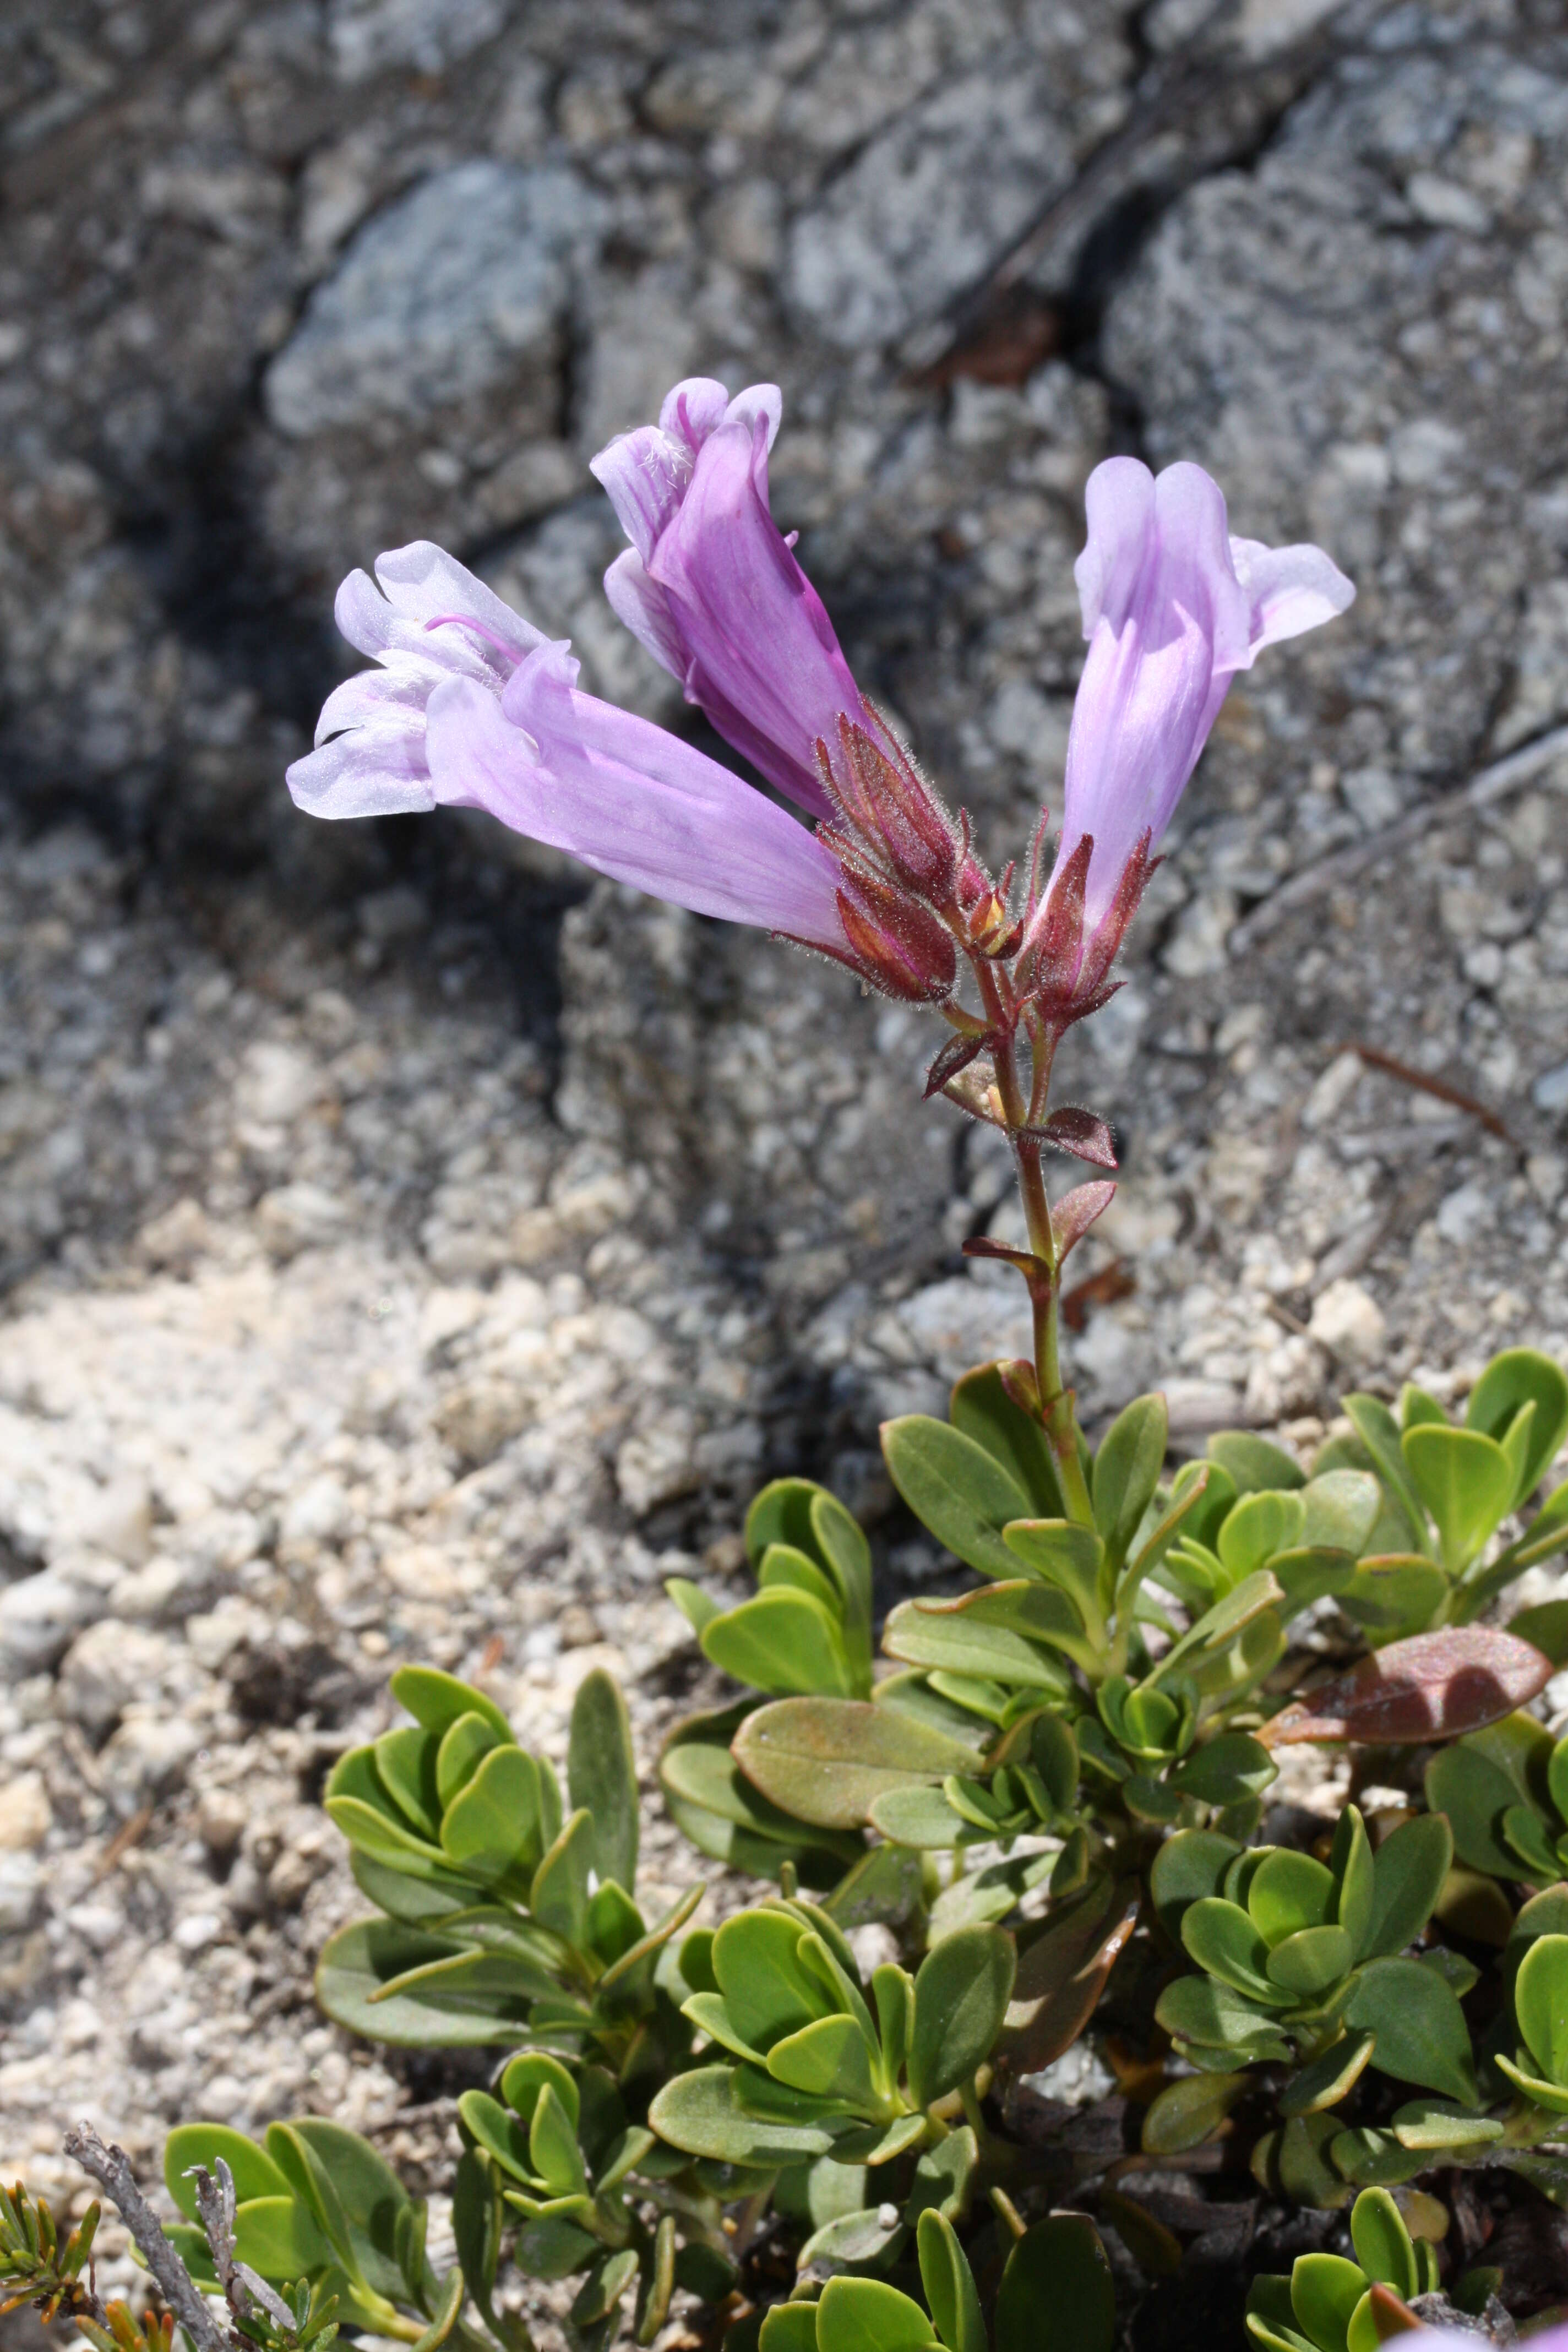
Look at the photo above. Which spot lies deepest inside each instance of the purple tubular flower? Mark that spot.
(710, 586)
(472, 707)
(1173, 607)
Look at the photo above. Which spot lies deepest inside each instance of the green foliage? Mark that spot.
(1302, 1956)
(1050, 1801)
(1540, 2067)
(597, 2194)
(40, 2267)
(1327, 2302)
(318, 2213)
(502, 1913)
(1505, 1793)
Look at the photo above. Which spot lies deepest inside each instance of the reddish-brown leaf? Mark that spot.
(1073, 1214)
(1080, 1132)
(1433, 1686)
(1062, 1974)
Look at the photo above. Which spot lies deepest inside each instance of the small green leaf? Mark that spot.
(781, 1641)
(945, 2177)
(527, 2075)
(1188, 1867)
(1407, 1874)
(1382, 2242)
(552, 2145)
(1058, 2268)
(781, 1514)
(1515, 1379)
(1190, 2111)
(866, 2236)
(1546, 1626)
(1222, 1940)
(189, 2144)
(1259, 1526)
(948, 2284)
(827, 2060)
(982, 1409)
(602, 1776)
(960, 1641)
(827, 1760)
(698, 1608)
(462, 1746)
(1354, 1876)
(1288, 1892)
(1379, 1433)
(1324, 2291)
(1253, 1462)
(490, 1829)
(782, 1564)
(1023, 1612)
(1306, 1575)
(1418, 2025)
(786, 2328)
(1127, 1471)
(1213, 2016)
(1465, 1481)
(842, 1548)
(1541, 2005)
(1270, 2316)
(862, 2314)
(559, 1896)
(1341, 1507)
(391, 1983)
(437, 1699)
(1308, 1962)
(1395, 1593)
(1437, 2124)
(1329, 2078)
(918, 1817)
(1474, 1787)
(961, 2000)
(766, 1987)
(501, 2135)
(956, 1488)
(1064, 1555)
(405, 1762)
(697, 2111)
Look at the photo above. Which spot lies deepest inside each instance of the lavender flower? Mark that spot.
(1173, 607)
(473, 707)
(711, 587)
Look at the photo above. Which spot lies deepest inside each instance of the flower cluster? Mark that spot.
(472, 706)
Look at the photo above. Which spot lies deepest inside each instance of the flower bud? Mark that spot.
(890, 809)
(897, 945)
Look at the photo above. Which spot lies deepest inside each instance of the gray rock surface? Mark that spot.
(444, 294)
(409, 1251)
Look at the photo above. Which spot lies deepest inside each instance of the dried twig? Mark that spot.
(1487, 786)
(1428, 1084)
(110, 2167)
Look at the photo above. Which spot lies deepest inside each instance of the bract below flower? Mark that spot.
(712, 586)
(473, 707)
(1172, 608)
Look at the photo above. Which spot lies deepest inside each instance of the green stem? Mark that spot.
(1057, 1413)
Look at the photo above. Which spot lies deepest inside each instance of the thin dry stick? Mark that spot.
(110, 2167)
(1487, 787)
(1428, 1084)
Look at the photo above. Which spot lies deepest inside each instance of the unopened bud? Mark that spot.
(891, 810)
(897, 945)
(989, 927)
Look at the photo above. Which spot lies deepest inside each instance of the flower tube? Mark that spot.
(472, 706)
(711, 587)
(1172, 608)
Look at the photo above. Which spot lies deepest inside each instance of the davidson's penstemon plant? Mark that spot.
(1005, 1815)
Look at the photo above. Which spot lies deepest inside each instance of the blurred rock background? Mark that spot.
(408, 1250)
